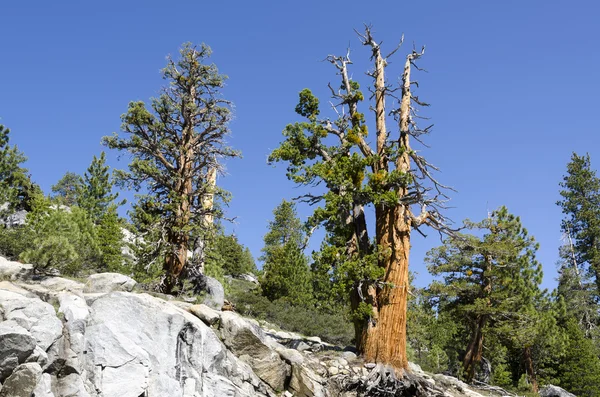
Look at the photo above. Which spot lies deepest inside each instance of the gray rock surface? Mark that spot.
(205, 313)
(14, 270)
(38, 317)
(249, 277)
(17, 218)
(22, 381)
(57, 339)
(58, 284)
(44, 387)
(554, 391)
(109, 282)
(16, 344)
(249, 342)
(112, 344)
(214, 293)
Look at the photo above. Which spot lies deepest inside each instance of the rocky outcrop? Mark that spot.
(109, 343)
(14, 270)
(22, 381)
(108, 282)
(96, 338)
(212, 291)
(554, 391)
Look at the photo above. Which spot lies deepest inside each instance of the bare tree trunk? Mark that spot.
(527, 357)
(382, 337)
(474, 350)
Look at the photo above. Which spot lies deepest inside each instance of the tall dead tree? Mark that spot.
(392, 177)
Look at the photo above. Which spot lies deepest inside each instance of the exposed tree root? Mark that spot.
(383, 382)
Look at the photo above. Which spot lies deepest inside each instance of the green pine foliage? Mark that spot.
(226, 252)
(577, 292)
(430, 335)
(491, 281)
(16, 187)
(579, 266)
(175, 144)
(581, 205)
(331, 327)
(286, 274)
(67, 189)
(61, 239)
(579, 369)
(94, 194)
(110, 241)
(14, 241)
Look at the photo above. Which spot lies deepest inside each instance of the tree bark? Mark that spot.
(178, 235)
(474, 350)
(382, 336)
(528, 358)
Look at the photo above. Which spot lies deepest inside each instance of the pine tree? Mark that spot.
(579, 370)
(63, 239)
(581, 205)
(286, 272)
(577, 291)
(430, 335)
(391, 176)
(176, 148)
(285, 228)
(16, 187)
(488, 282)
(67, 189)
(226, 252)
(110, 241)
(94, 194)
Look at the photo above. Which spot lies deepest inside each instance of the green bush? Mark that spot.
(13, 241)
(333, 328)
(60, 239)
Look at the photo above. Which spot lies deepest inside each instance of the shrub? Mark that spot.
(331, 327)
(60, 239)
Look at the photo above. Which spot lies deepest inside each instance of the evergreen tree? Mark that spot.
(286, 271)
(579, 370)
(285, 228)
(110, 241)
(148, 246)
(392, 177)
(488, 282)
(67, 189)
(95, 192)
(430, 335)
(577, 291)
(227, 253)
(581, 205)
(16, 188)
(176, 149)
(61, 239)
(329, 295)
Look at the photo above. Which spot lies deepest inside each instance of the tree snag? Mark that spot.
(392, 177)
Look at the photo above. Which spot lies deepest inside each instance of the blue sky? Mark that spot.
(512, 86)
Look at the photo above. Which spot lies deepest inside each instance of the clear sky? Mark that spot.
(513, 87)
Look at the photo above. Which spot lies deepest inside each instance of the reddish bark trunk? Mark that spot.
(528, 358)
(474, 350)
(384, 337)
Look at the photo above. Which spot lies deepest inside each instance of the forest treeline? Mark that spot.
(485, 318)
